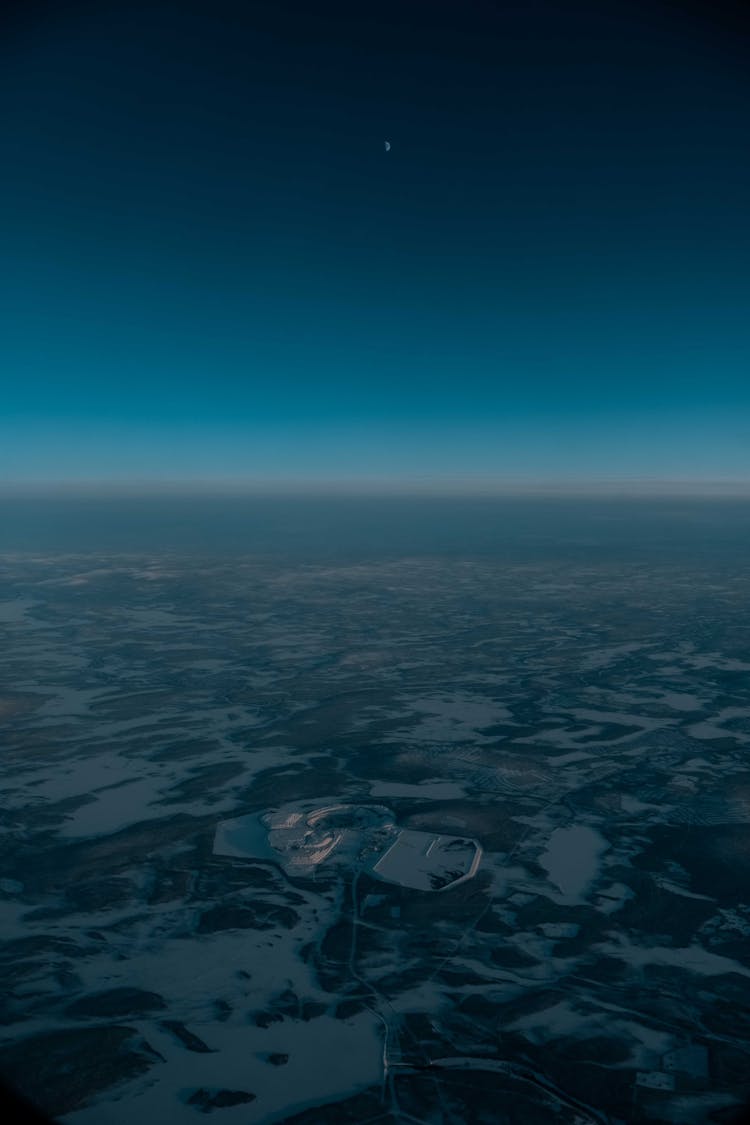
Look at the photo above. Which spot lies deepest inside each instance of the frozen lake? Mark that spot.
(572, 858)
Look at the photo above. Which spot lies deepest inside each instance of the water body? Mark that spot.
(245, 837)
(572, 858)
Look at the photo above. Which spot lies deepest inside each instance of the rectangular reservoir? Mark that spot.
(428, 862)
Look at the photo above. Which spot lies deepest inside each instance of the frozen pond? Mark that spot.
(244, 837)
(428, 862)
(433, 790)
(572, 858)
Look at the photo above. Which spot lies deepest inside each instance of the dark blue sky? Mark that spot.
(212, 269)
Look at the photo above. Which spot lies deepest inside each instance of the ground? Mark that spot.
(586, 721)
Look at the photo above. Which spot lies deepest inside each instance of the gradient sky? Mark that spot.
(212, 269)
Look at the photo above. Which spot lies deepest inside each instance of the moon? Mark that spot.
(387, 146)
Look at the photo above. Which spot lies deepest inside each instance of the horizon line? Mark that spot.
(437, 487)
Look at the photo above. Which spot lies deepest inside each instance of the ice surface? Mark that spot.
(244, 837)
(428, 862)
(432, 790)
(572, 858)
